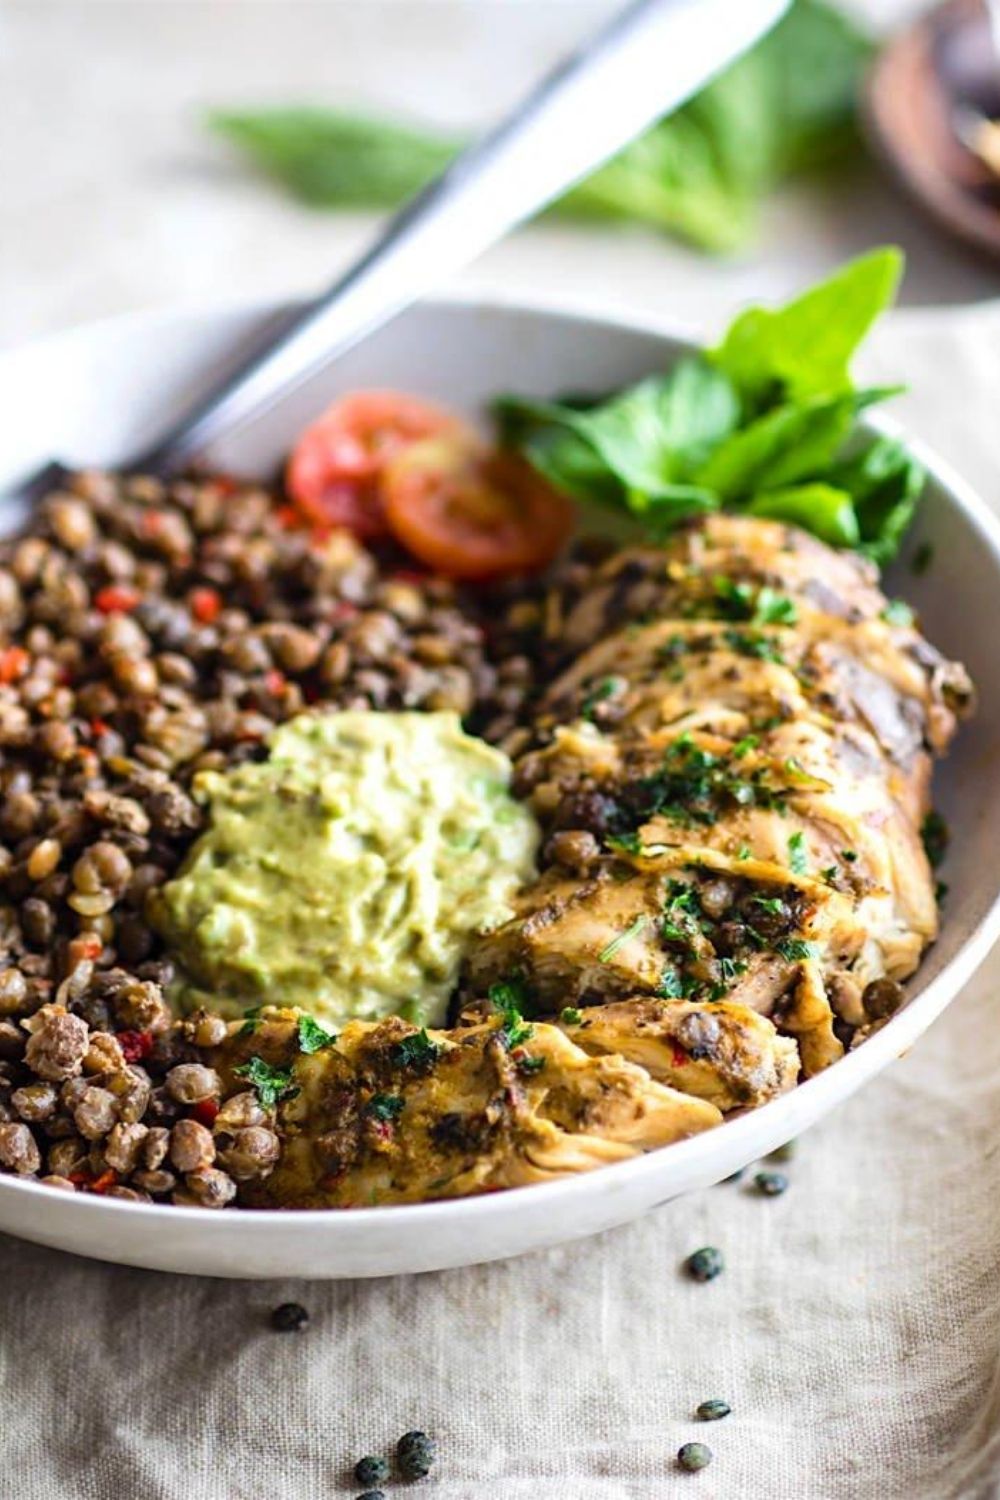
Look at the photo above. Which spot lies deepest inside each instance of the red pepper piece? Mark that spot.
(204, 1112)
(13, 663)
(135, 1045)
(116, 599)
(206, 605)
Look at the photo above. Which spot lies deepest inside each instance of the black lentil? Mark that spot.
(415, 1453)
(289, 1317)
(694, 1456)
(705, 1264)
(771, 1184)
(713, 1411)
(371, 1470)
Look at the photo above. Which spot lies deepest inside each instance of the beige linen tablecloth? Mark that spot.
(855, 1332)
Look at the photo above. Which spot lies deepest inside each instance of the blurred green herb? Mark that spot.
(788, 106)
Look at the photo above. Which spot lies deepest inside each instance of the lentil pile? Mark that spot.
(149, 632)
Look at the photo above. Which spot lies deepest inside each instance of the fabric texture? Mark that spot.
(855, 1331)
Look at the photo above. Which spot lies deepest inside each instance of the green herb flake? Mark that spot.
(797, 856)
(415, 1053)
(599, 693)
(570, 1016)
(251, 1021)
(313, 1037)
(386, 1108)
(625, 843)
(796, 950)
(753, 644)
(744, 852)
(851, 855)
(508, 998)
(270, 1084)
(607, 953)
(898, 612)
(529, 1065)
(774, 609)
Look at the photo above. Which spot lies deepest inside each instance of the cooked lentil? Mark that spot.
(289, 1317)
(705, 1264)
(371, 1470)
(694, 1456)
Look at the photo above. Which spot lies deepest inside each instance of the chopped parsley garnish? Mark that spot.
(673, 647)
(570, 1016)
(775, 609)
(507, 998)
(416, 1052)
(671, 985)
(797, 853)
(743, 852)
(745, 745)
(628, 843)
(529, 1065)
(270, 1084)
(934, 832)
(607, 953)
(752, 643)
(602, 690)
(313, 1037)
(773, 905)
(829, 873)
(898, 612)
(796, 949)
(385, 1107)
(732, 968)
(693, 784)
(850, 855)
(739, 600)
(251, 1021)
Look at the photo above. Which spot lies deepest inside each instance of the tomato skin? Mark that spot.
(334, 473)
(471, 513)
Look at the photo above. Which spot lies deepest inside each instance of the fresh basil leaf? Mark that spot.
(657, 433)
(804, 349)
(336, 160)
(787, 105)
(886, 483)
(783, 446)
(820, 508)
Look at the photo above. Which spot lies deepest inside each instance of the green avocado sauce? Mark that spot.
(349, 871)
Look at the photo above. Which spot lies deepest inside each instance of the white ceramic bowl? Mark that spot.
(92, 395)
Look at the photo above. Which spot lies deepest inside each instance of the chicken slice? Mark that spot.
(722, 1052)
(390, 1114)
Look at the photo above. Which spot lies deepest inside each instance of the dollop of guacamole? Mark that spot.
(348, 872)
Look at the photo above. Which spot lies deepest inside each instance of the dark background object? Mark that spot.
(942, 63)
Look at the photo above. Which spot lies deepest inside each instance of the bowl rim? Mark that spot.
(836, 1082)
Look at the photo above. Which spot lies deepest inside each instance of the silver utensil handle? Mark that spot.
(649, 59)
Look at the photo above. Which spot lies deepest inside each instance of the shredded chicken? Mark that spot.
(734, 776)
(389, 1114)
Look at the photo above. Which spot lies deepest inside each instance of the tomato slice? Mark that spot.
(472, 513)
(334, 474)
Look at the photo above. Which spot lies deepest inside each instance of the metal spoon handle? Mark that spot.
(646, 61)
